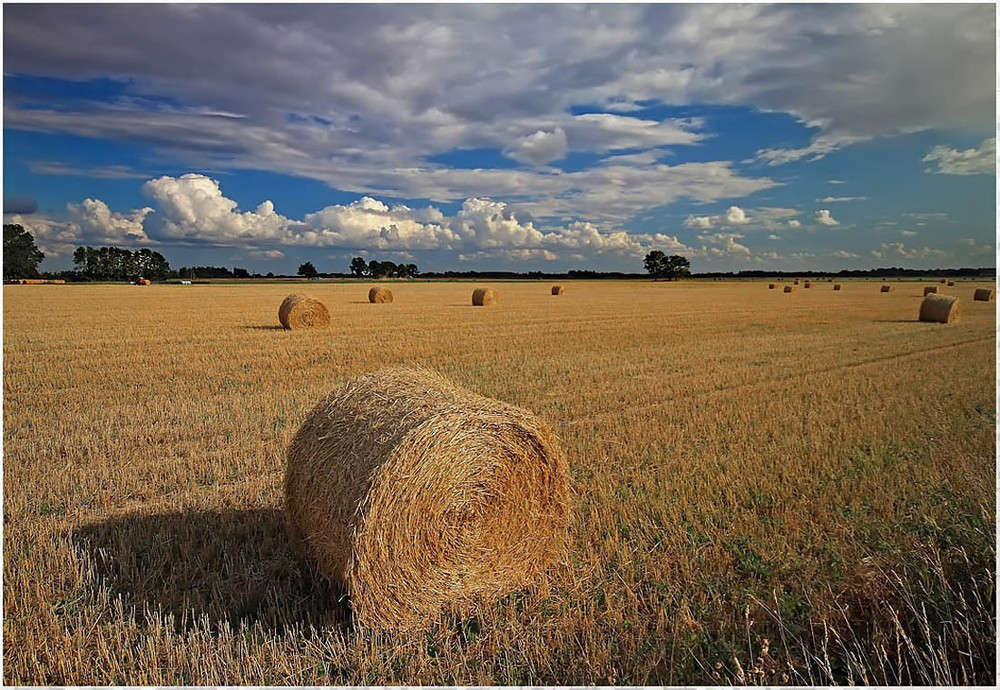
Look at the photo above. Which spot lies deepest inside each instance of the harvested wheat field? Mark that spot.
(764, 488)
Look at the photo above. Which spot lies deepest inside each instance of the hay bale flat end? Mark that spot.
(940, 309)
(299, 311)
(419, 497)
(484, 297)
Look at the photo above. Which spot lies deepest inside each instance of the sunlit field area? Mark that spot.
(766, 487)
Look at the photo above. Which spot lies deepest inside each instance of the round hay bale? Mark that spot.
(419, 497)
(807, 285)
(298, 311)
(770, 286)
(886, 288)
(943, 281)
(788, 288)
(380, 295)
(796, 281)
(484, 297)
(940, 308)
(837, 287)
(930, 290)
(951, 283)
(984, 295)
(558, 290)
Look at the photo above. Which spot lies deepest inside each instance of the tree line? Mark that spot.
(21, 258)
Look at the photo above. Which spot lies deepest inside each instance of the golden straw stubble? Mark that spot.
(484, 297)
(299, 311)
(380, 295)
(419, 497)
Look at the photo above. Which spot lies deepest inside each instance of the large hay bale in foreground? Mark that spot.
(380, 295)
(836, 286)
(940, 308)
(558, 290)
(419, 497)
(298, 311)
(788, 288)
(984, 295)
(484, 297)
(886, 288)
(930, 290)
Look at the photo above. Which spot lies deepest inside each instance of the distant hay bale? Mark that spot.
(930, 290)
(984, 295)
(951, 283)
(796, 281)
(943, 281)
(419, 497)
(886, 288)
(380, 295)
(484, 297)
(32, 281)
(770, 286)
(298, 311)
(807, 285)
(788, 288)
(940, 308)
(558, 290)
(836, 286)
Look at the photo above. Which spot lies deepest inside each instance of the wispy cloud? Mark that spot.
(975, 161)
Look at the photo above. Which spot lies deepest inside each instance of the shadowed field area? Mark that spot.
(767, 487)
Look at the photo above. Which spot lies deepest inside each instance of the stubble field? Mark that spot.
(767, 487)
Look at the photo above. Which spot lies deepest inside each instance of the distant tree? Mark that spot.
(387, 269)
(373, 269)
(661, 266)
(241, 273)
(20, 255)
(270, 274)
(307, 270)
(411, 271)
(115, 263)
(358, 267)
(204, 272)
(677, 267)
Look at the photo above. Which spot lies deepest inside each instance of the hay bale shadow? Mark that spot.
(264, 328)
(232, 566)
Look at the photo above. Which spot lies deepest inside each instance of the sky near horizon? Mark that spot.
(505, 137)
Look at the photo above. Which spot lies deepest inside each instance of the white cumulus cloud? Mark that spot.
(823, 217)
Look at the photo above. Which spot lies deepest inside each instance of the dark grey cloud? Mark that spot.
(19, 204)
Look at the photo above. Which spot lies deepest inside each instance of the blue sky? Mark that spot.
(541, 137)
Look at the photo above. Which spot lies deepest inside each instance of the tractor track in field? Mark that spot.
(638, 409)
